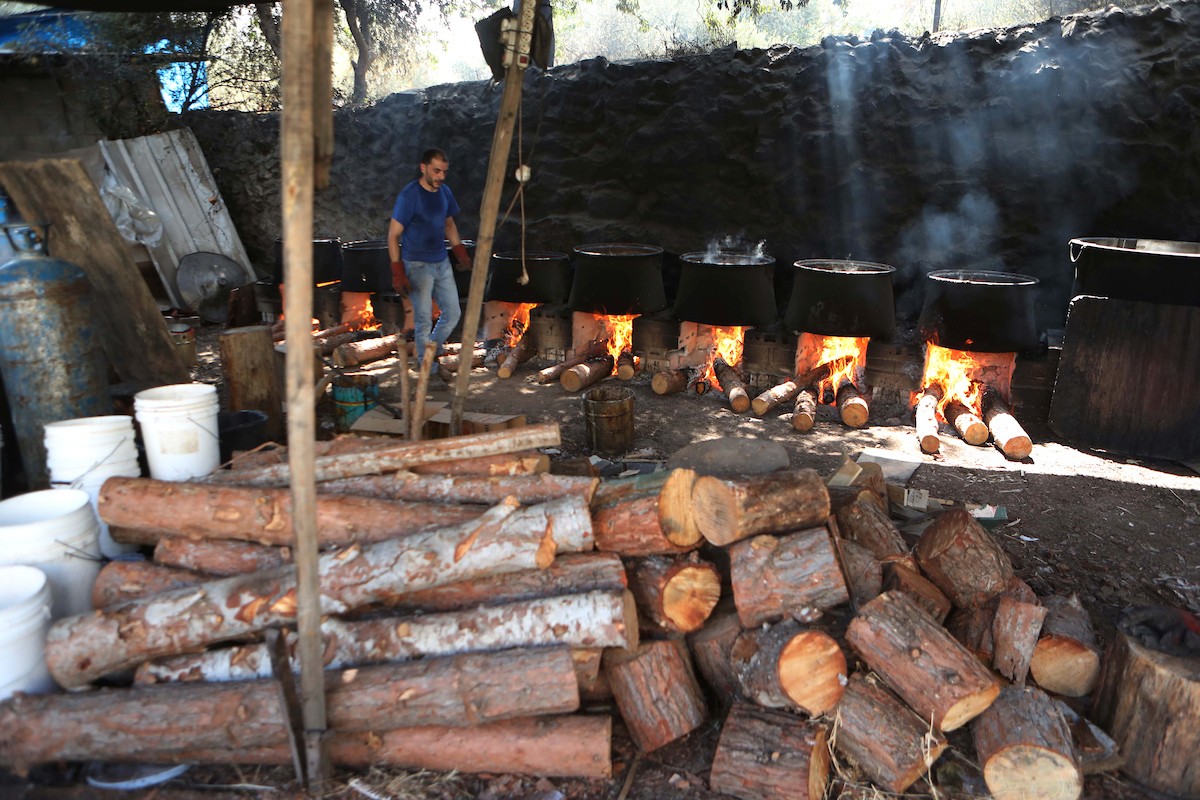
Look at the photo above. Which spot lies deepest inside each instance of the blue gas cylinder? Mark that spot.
(50, 353)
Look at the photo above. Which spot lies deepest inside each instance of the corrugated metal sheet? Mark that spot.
(168, 172)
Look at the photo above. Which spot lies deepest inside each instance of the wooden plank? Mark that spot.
(131, 327)
(1128, 378)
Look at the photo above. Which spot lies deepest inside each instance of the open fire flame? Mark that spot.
(518, 324)
(963, 376)
(727, 345)
(846, 354)
(358, 313)
(619, 329)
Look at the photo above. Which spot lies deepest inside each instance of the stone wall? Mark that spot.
(981, 150)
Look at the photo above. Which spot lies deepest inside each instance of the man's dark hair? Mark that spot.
(433, 153)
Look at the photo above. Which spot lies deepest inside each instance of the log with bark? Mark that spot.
(925, 419)
(789, 666)
(773, 577)
(962, 559)
(852, 405)
(899, 578)
(674, 595)
(627, 366)
(476, 489)
(970, 427)
(770, 755)
(710, 647)
(517, 355)
(120, 581)
(555, 371)
(450, 361)
(1007, 434)
(732, 385)
(524, 463)
(1024, 747)
(1016, 626)
(935, 675)
(1066, 659)
(221, 557)
(583, 375)
(862, 571)
(646, 514)
(151, 723)
(328, 346)
(727, 510)
(656, 692)
(354, 354)
(863, 522)
(883, 737)
(775, 396)
(973, 626)
(669, 381)
(804, 413)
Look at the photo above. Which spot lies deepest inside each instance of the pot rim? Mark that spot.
(618, 249)
(843, 266)
(737, 259)
(531, 255)
(365, 244)
(981, 277)
(1159, 247)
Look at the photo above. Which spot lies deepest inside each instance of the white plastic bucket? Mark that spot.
(179, 430)
(83, 453)
(24, 620)
(55, 530)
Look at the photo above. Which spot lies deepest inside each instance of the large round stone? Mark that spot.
(731, 456)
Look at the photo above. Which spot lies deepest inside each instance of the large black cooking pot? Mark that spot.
(326, 261)
(726, 289)
(1146, 270)
(979, 311)
(842, 298)
(366, 266)
(549, 277)
(618, 279)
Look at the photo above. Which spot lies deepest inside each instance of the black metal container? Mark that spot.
(366, 266)
(980, 311)
(842, 298)
(1145, 270)
(549, 277)
(326, 261)
(462, 277)
(618, 279)
(726, 289)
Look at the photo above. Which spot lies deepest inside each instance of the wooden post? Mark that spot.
(418, 418)
(248, 364)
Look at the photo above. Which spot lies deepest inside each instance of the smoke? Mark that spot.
(736, 244)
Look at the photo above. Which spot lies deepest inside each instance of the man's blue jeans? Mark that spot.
(432, 280)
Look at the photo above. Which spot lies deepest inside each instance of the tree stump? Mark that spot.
(248, 365)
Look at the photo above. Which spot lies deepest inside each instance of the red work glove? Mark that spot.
(460, 256)
(400, 282)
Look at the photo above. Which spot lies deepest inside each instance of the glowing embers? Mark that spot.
(829, 371)
(708, 356)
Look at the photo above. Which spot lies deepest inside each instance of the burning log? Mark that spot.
(484, 489)
(354, 354)
(787, 666)
(647, 514)
(852, 405)
(774, 577)
(669, 381)
(517, 355)
(1024, 747)
(1007, 433)
(962, 559)
(587, 373)
(1015, 630)
(891, 744)
(935, 675)
(731, 384)
(221, 557)
(1066, 659)
(711, 646)
(775, 396)
(770, 755)
(728, 510)
(119, 581)
(627, 366)
(970, 427)
(674, 595)
(804, 415)
(147, 724)
(656, 692)
(926, 421)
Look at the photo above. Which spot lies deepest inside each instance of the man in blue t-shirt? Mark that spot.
(422, 222)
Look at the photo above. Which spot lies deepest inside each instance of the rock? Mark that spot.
(729, 456)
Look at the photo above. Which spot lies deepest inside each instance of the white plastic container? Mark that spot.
(24, 620)
(55, 530)
(179, 430)
(83, 453)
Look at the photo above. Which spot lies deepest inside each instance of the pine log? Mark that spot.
(883, 737)
(485, 489)
(863, 522)
(656, 692)
(596, 619)
(527, 463)
(935, 675)
(150, 509)
(789, 666)
(775, 396)
(926, 421)
(145, 723)
(842, 496)
(354, 354)
(970, 427)
(670, 381)
(402, 455)
(450, 361)
(646, 514)
(710, 647)
(119, 581)
(872, 478)
(583, 375)
(627, 366)
(417, 422)
(770, 755)
(775, 576)
(852, 405)
(328, 346)
(221, 557)
(728, 510)
(731, 383)
(1015, 629)
(962, 558)
(899, 578)
(674, 595)
(517, 355)
(1024, 747)
(1066, 659)
(554, 372)
(248, 368)
(972, 628)
(593, 687)
(82, 648)
(1007, 434)
(1148, 701)
(804, 414)
(863, 572)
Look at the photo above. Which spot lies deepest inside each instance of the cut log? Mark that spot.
(151, 509)
(852, 406)
(583, 375)
(82, 648)
(935, 675)
(656, 692)
(1024, 748)
(1015, 629)
(962, 559)
(485, 489)
(728, 510)
(354, 354)
(149, 723)
(842, 496)
(883, 737)
(1007, 434)
(627, 366)
(732, 385)
(804, 414)
(872, 478)
(595, 619)
(554, 372)
(450, 361)
(899, 578)
(222, 557)
(970, 427)
(119, 581)
(1148, 701)
(972, 628)
(926, 421)
(529, 463)
(710, 648)
(775, 396)
(789, 666)
(669, 381)
(674, 595)
(517, 355)
(328, 346)
(248, 367)
(1066, 659)
(863, 572)
(863, 522)
(593, 686)
(770, 755)
(776, 576)
(647, 514)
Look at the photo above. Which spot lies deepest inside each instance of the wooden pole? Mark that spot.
(510, 103)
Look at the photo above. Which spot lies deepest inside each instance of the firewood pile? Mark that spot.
(483, 615)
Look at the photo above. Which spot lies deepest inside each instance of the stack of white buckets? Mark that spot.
(52, 541)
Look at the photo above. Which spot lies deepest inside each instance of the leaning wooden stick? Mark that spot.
(418, 418)
(406, 398)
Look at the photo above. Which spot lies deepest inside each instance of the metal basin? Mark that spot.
(618, 279)
(726, 289)
(1146, 270)
(980, 311)
(842, 298)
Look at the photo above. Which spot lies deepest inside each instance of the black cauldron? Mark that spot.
(1146, 270)
(549, 277)
(842, 298)
(979, 311)
(366, 266)
(618, 279)
(326, 260)
(462, 277)
(726, 289)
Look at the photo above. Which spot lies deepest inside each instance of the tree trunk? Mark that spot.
(770, 755)
(221, 557)
(1024, 747)
(710, 647)
(646, 514)
(962, 559)
(146, 724)
(852, 406)
(899, 578)
(773, 397)
(1015, 629)
(656, 692)
(787, 666)
(939, 678)
(669, 381)
(888, 742)
(926, 421)
(674, 595)
(1007, 434)
(804, 414)
(732, 385)
(485, 489)
(863, 522)
(775, 576)
(728, 510)
(1066, 659)
(248, 366)
(120, 581)
(583, 375)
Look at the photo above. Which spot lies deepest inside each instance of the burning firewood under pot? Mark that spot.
(709, 357)
(829, 371)
(603, 346)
